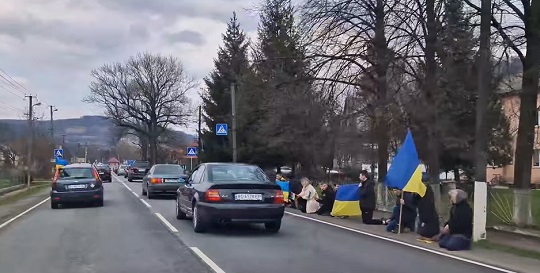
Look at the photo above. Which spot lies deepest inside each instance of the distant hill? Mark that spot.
(93, 130)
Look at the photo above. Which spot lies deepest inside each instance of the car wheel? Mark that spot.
(199, 224)
(99, 203)
(273, 227)
(54, 205)
(149, 195)
(180, 215)
(130, 180)
(143, 191)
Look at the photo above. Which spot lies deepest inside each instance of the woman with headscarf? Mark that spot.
(428, 224)
(457, 232)
(309, 195)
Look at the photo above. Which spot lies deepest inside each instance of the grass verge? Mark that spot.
(23, 194)
(508, 249)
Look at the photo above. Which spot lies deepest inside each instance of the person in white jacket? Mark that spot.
(309, 194)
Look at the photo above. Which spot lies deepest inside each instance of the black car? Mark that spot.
(104, 172)
(230, 192)
(163, 179)
(76, 183)
(138, 170)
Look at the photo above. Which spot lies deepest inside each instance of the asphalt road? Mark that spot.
(123, 236)
(301, 246)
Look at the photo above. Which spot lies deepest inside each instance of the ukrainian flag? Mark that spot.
(285, 187)
(347, 201)
(405, 173)
(60, 162)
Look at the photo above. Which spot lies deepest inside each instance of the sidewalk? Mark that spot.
(508, 262)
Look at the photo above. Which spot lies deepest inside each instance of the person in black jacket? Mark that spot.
(406, 208)
(428, 226)
(457, 232)
(328, 196)
(367, 199)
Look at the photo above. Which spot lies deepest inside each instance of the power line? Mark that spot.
(16, 85)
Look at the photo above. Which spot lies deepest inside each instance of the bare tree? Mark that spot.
(145, 94)
(518, 26)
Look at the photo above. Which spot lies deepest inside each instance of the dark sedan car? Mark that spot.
(138, 170)
(76, 183)
(163, 179)
(230, 192)
(104, 172)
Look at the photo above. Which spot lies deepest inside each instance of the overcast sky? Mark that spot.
(50, 46)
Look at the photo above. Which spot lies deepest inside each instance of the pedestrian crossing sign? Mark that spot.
(221, 129)
(192, 151)
(58, 153)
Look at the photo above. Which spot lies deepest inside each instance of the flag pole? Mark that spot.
(400, 213)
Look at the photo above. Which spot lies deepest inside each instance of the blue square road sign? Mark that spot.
(222, 129)
(58, 153)
(192, 151)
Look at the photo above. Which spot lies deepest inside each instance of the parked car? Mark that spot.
(230, 192)
(76, 183)
(138, 170)
(163, 179)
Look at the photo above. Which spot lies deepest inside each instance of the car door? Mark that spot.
(146, 178)
(186, 194)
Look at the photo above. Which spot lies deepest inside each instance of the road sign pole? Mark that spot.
(233, 111)
(191, 159)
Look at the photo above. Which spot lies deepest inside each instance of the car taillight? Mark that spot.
(96, 176)
(156, 180)
(212, 196)
(55, 178)
(278, 198)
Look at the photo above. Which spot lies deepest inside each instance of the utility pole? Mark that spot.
(86, 152)
(52, 109)
(199, 133)
(63, 140)
(233, 111)
(31, 138)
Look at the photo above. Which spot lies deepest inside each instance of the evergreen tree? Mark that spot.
(231, 67)
(293, 114)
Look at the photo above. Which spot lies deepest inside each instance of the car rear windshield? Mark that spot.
(238, 173)
(141, 164)
(75, 173)
(168, 169)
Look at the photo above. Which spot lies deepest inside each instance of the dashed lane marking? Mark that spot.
(207, 260)
(169, 225)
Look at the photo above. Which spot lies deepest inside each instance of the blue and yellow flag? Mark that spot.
(285, 187)
(60, 162)
(405, 173)
(347, 201)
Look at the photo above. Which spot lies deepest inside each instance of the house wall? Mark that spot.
(506, 173)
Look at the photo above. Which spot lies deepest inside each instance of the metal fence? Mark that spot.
(11, 177)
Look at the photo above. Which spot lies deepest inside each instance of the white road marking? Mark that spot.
(169, 225)
(23, 213)
(145, 203)
(404, 243)
(207, 260)
(134, 193)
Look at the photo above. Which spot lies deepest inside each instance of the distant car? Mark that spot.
(138, 170)
(76, 183)
(122, 170)
(284, 170)
(163, 179)
(230, 192)
(104, 173)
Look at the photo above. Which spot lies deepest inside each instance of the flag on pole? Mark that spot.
(347, 201)
(60, 162)
(285, 187)
(405, 173)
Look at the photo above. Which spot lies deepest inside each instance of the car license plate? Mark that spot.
(142, 170)
(76, 186)
(248, 197)
(101, 173)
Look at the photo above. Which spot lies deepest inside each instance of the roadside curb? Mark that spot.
(487, 260)
(7, 190)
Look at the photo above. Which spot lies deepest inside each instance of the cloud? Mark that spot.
(51, 46)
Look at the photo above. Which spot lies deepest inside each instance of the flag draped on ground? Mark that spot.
(405, 173)
(285, 187)
(60, 162)
(347, 201)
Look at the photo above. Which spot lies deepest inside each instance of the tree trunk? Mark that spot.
(381, 69)
(143, 144)
(527, 116)
(431, 98)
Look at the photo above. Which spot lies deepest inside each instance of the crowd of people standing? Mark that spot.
(411, 212)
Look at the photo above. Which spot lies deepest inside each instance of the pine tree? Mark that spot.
(230, 67)
(292, 113)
